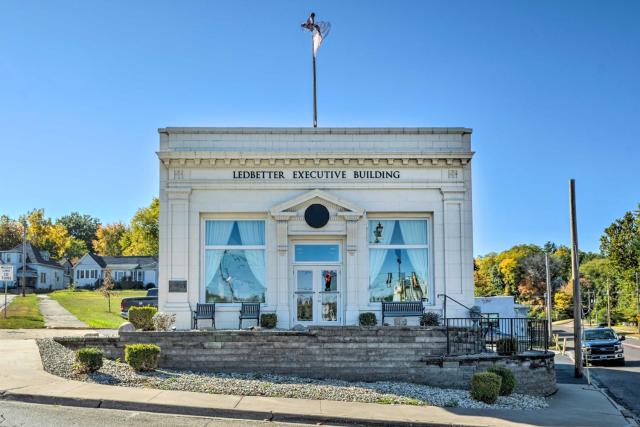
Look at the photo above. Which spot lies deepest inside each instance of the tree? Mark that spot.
(108, 237)
(142, 237)
(563, 304)
(76, 248)
(619, 242)
(10, 233)
(107, 287)
(45, 235)
(81, 227)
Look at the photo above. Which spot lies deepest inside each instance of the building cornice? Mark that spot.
(205, 159)
(314, 131)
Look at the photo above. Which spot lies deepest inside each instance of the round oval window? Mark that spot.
(316, 215)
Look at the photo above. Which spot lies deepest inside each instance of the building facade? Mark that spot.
(41, 271)
(89, 270)
(317, 225)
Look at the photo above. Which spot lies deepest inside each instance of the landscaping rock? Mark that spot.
(58, 360)
(126, 327)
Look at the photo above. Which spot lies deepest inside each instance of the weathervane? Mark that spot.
(319, 31)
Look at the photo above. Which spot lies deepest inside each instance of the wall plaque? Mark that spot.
(177, 286)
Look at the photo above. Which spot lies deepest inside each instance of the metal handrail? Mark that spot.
(444, 308)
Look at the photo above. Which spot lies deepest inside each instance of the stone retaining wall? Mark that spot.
(352, 353)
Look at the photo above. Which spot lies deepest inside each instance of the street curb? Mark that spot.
(208, 412)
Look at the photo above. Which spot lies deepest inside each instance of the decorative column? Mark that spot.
(351, 280)
(282, 269)
(176, 289)
(454, 251)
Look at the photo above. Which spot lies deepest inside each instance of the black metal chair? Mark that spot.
(249, 311)
(401, 309)
(204, 311)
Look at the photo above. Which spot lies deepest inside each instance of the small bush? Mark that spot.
(368, 319)
(430, 318)
(507, 345)
(142, 357)
(268, 320)
(485, 387)
(163, 322)
(508, 379)
(142, 317)
(88, 359)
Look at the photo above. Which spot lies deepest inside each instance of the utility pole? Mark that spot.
(577, 300)
(549, 297)
(608, 303)
(24, 256)
(637, 303)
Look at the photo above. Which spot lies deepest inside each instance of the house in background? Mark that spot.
(89, 270)
(67, 265)
(41, 271)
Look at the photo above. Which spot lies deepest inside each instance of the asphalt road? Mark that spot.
(36, 415)
(621, 382)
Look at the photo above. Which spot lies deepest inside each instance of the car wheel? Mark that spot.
(620, 362)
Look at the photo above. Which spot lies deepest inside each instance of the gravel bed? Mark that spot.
(58, 360)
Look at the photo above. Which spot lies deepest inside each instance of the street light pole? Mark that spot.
(549, 297)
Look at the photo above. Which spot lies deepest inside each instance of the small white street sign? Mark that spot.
(6, 273)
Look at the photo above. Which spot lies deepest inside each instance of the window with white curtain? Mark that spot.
(234, 261)
(398, 260)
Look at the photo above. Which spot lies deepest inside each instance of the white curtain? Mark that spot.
(414, 232)
(377, 256)
(218, 232)
(252, 233)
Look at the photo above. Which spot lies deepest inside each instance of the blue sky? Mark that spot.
(550, 88)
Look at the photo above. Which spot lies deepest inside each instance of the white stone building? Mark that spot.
(318, 225)
(89, 270)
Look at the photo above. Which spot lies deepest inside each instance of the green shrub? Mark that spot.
(485, 387)
(142, 317)
(268, 320)
(368, 319)
(142, 357)
(507, 345)
(508, 379)
(430, 318)
(88, 359)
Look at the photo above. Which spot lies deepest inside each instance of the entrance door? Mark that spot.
(317, 295)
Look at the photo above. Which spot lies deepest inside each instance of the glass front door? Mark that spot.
(317, 294)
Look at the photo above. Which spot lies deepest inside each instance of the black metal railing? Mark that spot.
(504, 336)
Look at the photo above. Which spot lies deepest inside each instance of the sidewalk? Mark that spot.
(56, 316)
(9, 298)
(22, 378)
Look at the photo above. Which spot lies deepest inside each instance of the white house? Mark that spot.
(317, 225)
(89, 270)
(41, 271)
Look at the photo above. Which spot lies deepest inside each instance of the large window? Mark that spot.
(398, 260)
(234, 261)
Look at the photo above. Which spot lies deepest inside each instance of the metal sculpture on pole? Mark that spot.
(319, 31)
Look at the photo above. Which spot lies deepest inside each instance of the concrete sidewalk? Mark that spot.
(9, 298)
(22, 378)
(56, 316)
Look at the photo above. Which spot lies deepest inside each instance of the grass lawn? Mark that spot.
(23, 312)
(91, 307)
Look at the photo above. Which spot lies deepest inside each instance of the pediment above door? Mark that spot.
(337, 207)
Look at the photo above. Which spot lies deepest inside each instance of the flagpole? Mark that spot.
(315, 107)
